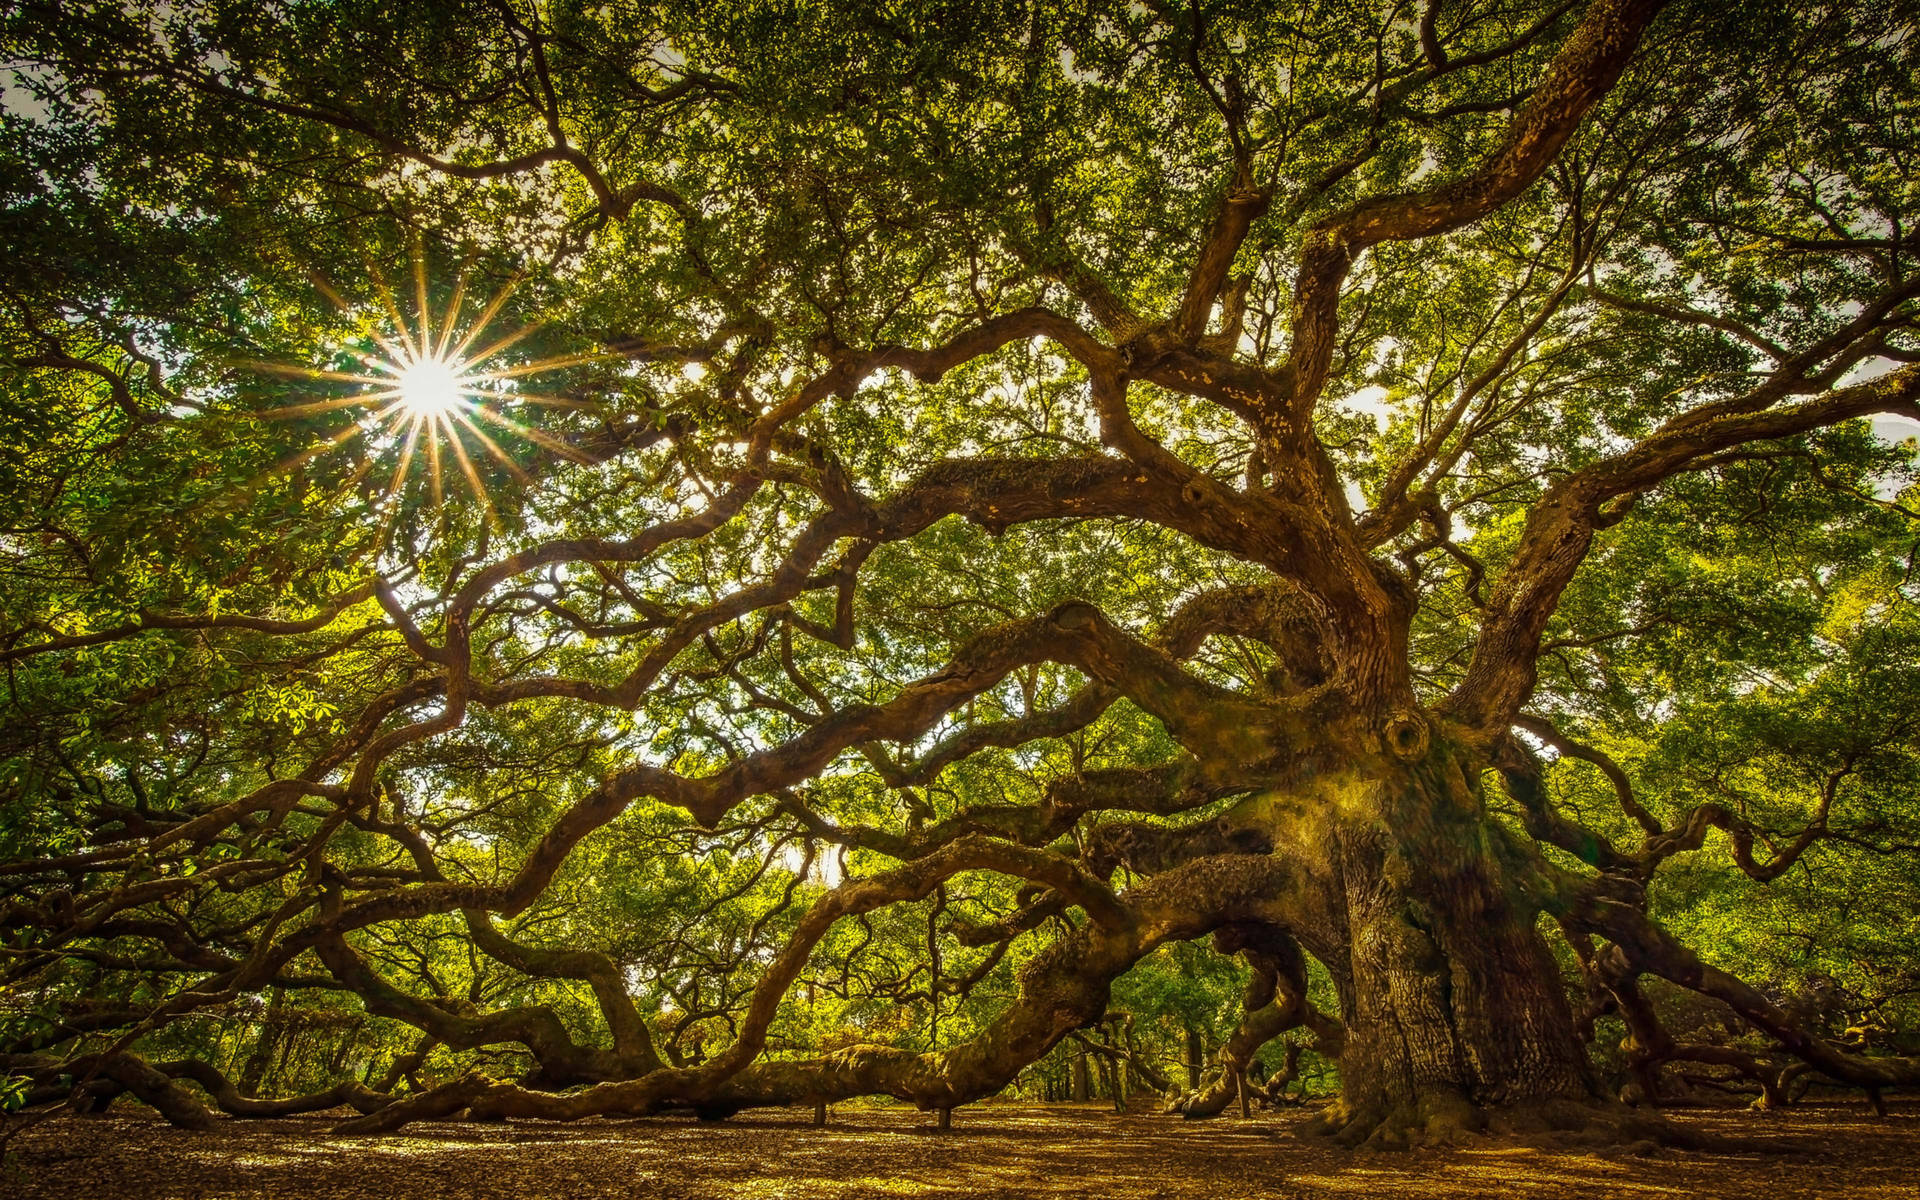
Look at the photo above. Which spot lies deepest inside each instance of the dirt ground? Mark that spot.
(995, 1150)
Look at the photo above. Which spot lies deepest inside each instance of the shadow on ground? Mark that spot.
(995, 1150)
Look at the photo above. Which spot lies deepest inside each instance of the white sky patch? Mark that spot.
(1369, 401)
(21, 89)
(827, 870)
(1888, 427)
(1895, 429)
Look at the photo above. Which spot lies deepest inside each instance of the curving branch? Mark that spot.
(1642, 946)
(1580, 76)
(1275, 1002)
(1064, 988)
(1562, 524)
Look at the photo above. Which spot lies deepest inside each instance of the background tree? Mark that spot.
(743, 556)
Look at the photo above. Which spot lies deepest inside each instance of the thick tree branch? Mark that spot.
(1580, 75)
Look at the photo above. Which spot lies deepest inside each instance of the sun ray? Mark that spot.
(548, 364)
(467, 468)
(390, 502)
(340, 302)
(326, 289)
(421, 313)
(302, 457)
(424, 386)
(332, 404)
(297, 371)
(493, 447)
(359, 472)
(504, 344)
(452, 319)
(548, 400)
(438, 490)
(533, 435)
(408, 351)
(485, 319)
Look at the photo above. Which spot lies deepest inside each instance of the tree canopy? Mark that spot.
(604, 558)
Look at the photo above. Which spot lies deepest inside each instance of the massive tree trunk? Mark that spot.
(1454, 1009)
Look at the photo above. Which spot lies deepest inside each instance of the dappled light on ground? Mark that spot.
(993, 1151)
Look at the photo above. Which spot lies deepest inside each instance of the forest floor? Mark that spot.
(1082, 1152)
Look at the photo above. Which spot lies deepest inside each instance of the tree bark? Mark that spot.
(1455, 1012)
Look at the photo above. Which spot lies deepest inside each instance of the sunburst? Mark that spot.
(429, 390)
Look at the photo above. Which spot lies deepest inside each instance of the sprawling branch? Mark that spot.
(1063, 988)
(1562, 524)
(1581, 74)
(1275, 1002)
(1646, 947)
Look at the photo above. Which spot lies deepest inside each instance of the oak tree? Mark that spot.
(585, 533)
